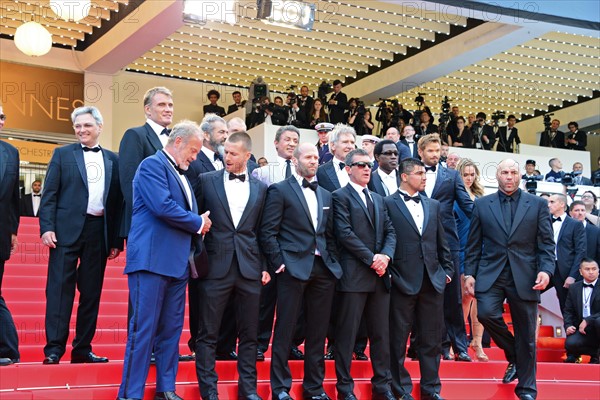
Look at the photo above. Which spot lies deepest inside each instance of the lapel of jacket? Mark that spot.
(496, 211)
(208, 164)
(426, 206)
(153, 138)
(174, 173)
(319, 193)
(298, 190)
(78, 154)
(407, 215)
(331, 173)
(563, 227)
(3, 161)
(522, 209)
(254, 185)
(378, 183)
(357, 198)
(441, 175)
(595, 291)
(107, 174)
(219, 186)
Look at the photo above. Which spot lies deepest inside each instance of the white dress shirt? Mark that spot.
(218, 164)
(556, 228)
(94, 169)
(237, 193)
(35, 202)
(416, 210)
(359, 189)
(183, 179)
(586, 298)
(431, 178)
(282, 165)
(313, 205)
(342, 175)
(158, 130)
(390, 184)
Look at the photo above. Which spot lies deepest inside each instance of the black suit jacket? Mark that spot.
(449, 188)
(209, 108)
(65, 198)
(418, 254)
(287, 235)
(507, 145)
(592, 234)
(376, 184)
(327, 177)
(337, 111)
(27, 206)
(9, 197)
(199, 166)
(415, 151)
(580, 137)
(573, 312)
(224, 240)
(136, 144)
(361, 238)
(233, 108)
(571, 248)
(487, 131)
(528, 248)
(558, 141)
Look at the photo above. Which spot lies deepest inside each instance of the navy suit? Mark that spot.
(327, 177)
(81, 239)
(415, 152)
(163, 225)
(592, 234)
(571, 248)
(235, 266)
(403, 150)
(377, 186)
(9, 224)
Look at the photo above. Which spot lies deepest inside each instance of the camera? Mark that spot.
(547, 121)
(420, 99)
(324, 89)
(567, 179)
(531, 184)
(498, 115)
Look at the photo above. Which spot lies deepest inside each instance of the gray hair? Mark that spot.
(208, 121)
(356, 152)
(87, 110)
(239, 122)
(286, 128)
(149, 95)
(340, 129)
(184, 129)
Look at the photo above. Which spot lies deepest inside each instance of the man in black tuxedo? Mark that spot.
(235, 265)
(592, 232)
(338, 104)
(571, 247)
(393, 134)
(385, 179)
(237, 102)
(446, 186)
(368, 241)
(298, 240)
(332, 175)
(421, 269)
(582, 313)
(305, 102)
(510, 255)
(9, 225)
(508, 136)
(408, 139)
(483, 134)
(30, 203)
(576, 139)
(553, 137)
(79, 223)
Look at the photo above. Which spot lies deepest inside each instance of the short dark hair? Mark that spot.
(286, 128)
(213, 92)
(481, 115)
(356, 152)
(576, 203)
(337, 82)
(379, 146)
(236, 92)
(461, 118)
(588, 260)
(407, 165)
(511, 116)
(573, 123)
(243, 137)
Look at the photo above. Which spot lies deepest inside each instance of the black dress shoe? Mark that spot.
(526, 397)
(5, 361)
(446, 355)
(594, 360)
(296, 354)
(360, 356)
(412, 354)
(510, 374)
(462, 356)
(283, 396)
(347, 396)
(187, 357)
(251, 397)
(167, 396)
(89, 358)
(322, 396)
(572, 359)
(329, 355)
(383, 396)
(260, 356)
(51, 359)
(431, 396)
(231, 356)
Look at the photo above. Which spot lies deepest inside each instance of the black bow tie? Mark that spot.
(37, 195)
(416, 198)
(342, 165)
(240, 177)
(94, 149)
(432, 169)
(165, 132)
(312, 185)
(556, 219)
(181, 171)
(591, 286)
(217, 157)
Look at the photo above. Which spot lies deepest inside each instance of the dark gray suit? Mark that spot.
(421, 263)
(289, 237)
(9, 225)
(505, 263)
(360, 289)
(235, 268)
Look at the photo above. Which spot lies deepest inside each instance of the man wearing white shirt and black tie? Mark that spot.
(332, 175)
(582, 313)
(408, 134)
(30, 203)
(286, 141)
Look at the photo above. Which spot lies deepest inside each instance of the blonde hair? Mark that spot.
(476, 188)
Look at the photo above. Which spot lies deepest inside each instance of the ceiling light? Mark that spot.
(71, 10)
(33, 39)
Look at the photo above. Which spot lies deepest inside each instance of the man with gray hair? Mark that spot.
(332, 175)
(79, 223)
(157, 275)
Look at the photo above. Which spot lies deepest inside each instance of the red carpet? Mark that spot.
(24, 286)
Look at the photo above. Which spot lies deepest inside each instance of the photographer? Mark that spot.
(552, 137)
(483, 134)
(426, 126)
(360, 119)
(295, 115)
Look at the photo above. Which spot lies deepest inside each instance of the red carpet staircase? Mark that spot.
(24, 286)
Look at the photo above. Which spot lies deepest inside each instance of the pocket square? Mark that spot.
(325, 208)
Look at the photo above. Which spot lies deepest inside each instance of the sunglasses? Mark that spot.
(389, 153)
(2, 117)
(362, 164)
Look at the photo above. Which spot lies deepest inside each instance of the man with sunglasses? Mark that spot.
(385, 179)
(365, 233)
